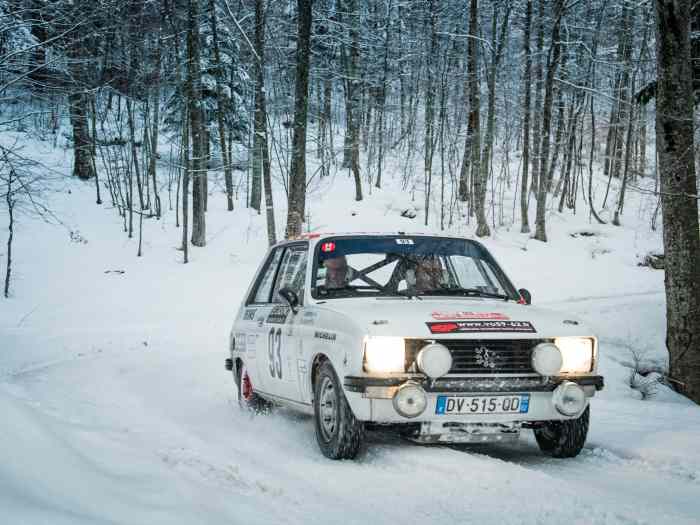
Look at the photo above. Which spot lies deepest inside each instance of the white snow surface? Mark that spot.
(116, 407)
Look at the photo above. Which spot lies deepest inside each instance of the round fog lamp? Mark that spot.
(547, 359)
(410, 400)
(434, 360)
(569, 398)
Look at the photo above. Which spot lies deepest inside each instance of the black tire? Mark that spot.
(338, 433)
(564, 439)
(248, 400)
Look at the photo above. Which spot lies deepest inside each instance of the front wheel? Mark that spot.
(338, 433)
(563, 439)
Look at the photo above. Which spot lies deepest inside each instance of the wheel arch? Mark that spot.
(316, 363)
(237, 364)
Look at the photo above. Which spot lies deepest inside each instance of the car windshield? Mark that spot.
(405, 266)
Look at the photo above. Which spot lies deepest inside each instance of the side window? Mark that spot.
(262, 293)
(292, 272)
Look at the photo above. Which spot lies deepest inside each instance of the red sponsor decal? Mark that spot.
(327, 247)
(442, 328)
(491, 316)
(489, 326)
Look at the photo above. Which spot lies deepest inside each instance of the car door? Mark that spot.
(249, 326)
(278, 341)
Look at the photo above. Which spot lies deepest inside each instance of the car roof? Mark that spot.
(314, 237)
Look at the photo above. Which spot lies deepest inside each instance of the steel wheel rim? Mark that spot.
(328, 409)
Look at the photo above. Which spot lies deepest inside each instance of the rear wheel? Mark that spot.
(247, 398)
(338, 433)
(564, 439)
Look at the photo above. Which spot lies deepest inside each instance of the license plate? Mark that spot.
(508, 404)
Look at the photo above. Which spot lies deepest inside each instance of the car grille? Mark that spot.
(483, 356)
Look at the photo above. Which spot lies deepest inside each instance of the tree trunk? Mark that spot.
(187, 166)
(561, 119)
(624, 94)
(553, 62)
(537, 124)
(220, 108)
(260, 137)
(83, 166)
(382, 97)
(297, 178)
(674, 139)
(527, 79)
(9, 198)
(429, 117)
(354, 117)
(198, 134)
(473, 131)
(482, 229)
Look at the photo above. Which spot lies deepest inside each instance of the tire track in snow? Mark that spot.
(602, 297)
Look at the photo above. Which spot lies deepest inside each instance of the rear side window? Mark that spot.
(292, 272)
(264, 286)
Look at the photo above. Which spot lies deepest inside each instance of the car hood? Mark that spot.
(455, 318)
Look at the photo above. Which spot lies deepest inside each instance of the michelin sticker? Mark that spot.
(328, 336)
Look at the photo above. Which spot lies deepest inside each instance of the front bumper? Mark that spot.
(470, 385)
(371, 398)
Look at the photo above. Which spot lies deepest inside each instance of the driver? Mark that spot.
(428, 275)
(337, 272)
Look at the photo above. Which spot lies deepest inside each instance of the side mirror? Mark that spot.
(525, 294)
(291, 297)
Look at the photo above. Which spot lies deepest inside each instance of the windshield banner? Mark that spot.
(461, 327)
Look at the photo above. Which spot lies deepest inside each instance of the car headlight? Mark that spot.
(434, 360)
(578, 354)
(547, 359)
(385, 354)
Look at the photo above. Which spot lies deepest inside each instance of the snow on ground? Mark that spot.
(117, 408)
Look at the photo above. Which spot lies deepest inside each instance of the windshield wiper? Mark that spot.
(468, 292)
(409, 294)
(345, 289)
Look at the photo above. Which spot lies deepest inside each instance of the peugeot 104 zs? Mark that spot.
(420, 335)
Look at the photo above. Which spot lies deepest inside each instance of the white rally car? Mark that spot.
(416, 334)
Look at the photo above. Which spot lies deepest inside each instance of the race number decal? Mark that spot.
(274, 347)
(461, 327)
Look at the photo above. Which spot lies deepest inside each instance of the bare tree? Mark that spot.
(297, 179)
(552, 65)
(675, 149)
(199, 148)
(527, 79)
(472, 149)
(260, 148)
(482, 229)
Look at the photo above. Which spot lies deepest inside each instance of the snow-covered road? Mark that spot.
(153, 435)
